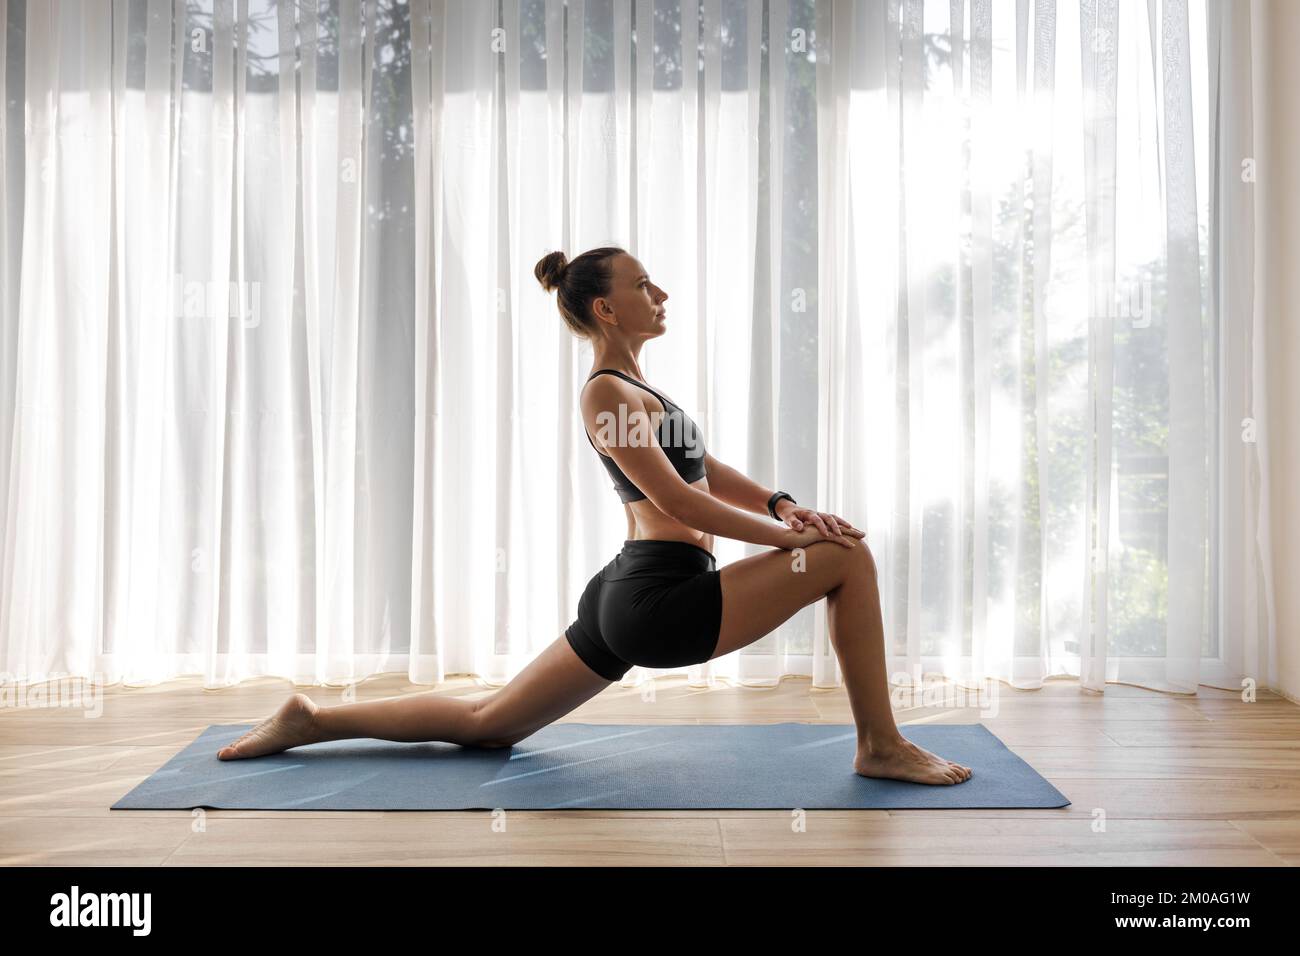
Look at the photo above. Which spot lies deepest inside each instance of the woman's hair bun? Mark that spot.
(578, 282)
(550, 269)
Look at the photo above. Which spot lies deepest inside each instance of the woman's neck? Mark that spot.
(625, 362)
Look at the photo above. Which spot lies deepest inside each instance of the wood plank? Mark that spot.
(927, 838)
(1182, 779)
(465, 838)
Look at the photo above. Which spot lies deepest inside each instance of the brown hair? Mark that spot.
(578, 282)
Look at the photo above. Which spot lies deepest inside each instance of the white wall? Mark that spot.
(1276, 34)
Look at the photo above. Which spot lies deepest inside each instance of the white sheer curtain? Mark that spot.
(282, 397)
(1036, 242)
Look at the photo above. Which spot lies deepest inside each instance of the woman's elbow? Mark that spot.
(680, 504)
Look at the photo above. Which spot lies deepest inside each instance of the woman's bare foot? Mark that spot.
(906, 761)
(290, 726)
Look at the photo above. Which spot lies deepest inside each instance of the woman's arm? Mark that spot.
(644, 463)
(702, 511)
(729, 485)
(736, 489)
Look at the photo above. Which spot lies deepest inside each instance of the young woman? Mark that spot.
(662, 601)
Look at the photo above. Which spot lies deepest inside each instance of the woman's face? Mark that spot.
(634, 302)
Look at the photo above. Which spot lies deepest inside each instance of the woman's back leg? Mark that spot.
(553, 683)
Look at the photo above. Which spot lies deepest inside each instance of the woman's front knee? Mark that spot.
(864, 556)
(856, 559)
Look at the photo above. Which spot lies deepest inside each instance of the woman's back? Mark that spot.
(680, 439)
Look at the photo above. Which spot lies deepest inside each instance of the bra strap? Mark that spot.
(628, 378)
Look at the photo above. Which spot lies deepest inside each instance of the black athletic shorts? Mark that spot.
(657, 604)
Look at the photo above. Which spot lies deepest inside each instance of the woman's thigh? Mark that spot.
(553, 683)
(762, 591)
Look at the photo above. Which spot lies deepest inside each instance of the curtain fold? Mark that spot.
(279, 395)
(1245, 638)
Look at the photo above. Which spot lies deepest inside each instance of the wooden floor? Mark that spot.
(1208, 780)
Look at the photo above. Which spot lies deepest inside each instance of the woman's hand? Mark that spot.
(810, 525)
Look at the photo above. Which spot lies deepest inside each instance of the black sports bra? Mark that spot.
(679, 437)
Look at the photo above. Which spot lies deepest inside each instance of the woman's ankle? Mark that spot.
(882, 745)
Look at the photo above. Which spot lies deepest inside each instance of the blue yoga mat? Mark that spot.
(593, 766)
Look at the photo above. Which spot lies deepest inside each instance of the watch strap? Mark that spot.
(771, 503)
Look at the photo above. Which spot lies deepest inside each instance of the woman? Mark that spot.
(662, 601)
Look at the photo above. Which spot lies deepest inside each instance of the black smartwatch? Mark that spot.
(771, 503)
